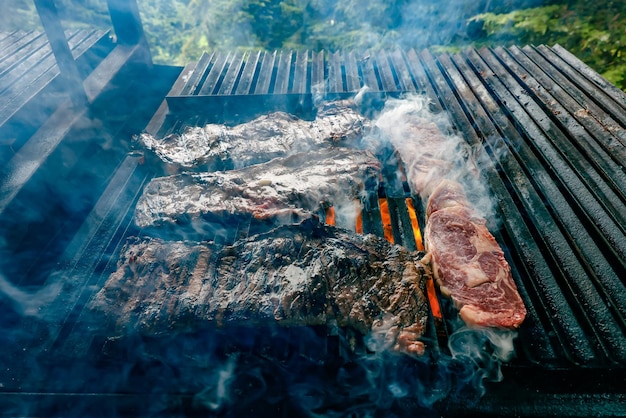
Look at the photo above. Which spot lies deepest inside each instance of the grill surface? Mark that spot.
(548, 133)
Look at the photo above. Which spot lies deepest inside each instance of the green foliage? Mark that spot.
(273, 23)
(179, 31)
(526, 23)
(167, 28)
(87, 14)
(596, 33)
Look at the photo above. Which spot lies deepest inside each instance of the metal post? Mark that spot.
(127, 25)
(58, 42)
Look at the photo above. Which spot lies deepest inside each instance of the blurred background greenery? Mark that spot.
(180, 30)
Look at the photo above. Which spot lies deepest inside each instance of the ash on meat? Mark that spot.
(295, 185)
(277, 134)
(295, 275)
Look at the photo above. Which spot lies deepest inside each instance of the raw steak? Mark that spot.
(468, 263)
(296, 275)
(273, 135)
(299, 183)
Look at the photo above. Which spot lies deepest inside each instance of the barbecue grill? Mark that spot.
(549, 136)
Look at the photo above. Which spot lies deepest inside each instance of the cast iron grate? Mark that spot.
(549, 133)
(549, 140)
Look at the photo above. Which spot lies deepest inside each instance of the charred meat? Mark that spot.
(468, 263)
(296, 275)
(273, 135)
(298, 183)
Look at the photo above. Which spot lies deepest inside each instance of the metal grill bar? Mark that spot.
(283, 72)
(265, 74)
(219, 66)
(596, 81)
(300, 74)
(195, 79)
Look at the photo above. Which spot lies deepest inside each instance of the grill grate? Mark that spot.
(538, 153)
(549, 133)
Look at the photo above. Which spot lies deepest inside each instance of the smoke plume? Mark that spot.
(430, 150)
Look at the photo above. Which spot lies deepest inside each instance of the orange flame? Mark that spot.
(430, 286)
(432, 299)
(416, 229)
(386, 218)
(419, 242)
(359, 217)
(330, 215)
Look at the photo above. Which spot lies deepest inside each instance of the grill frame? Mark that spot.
(492, 100)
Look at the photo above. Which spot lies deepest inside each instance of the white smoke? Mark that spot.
(28, 303)
(484, 348)
(217, 394)
(346, 212)
(430, 149)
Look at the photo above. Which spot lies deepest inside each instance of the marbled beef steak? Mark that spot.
(468, 263)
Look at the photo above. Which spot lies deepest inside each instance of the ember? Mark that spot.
(330, 215)
(359, 217)
(416, 230)
(386, 218)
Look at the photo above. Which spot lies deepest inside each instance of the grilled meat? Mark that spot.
(468, 263)
(464, 256)
(296, 275)
(298, 183)
(277, 134)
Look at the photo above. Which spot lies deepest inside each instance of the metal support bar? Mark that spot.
(126, 21)
(58, 43)
(127, 25)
